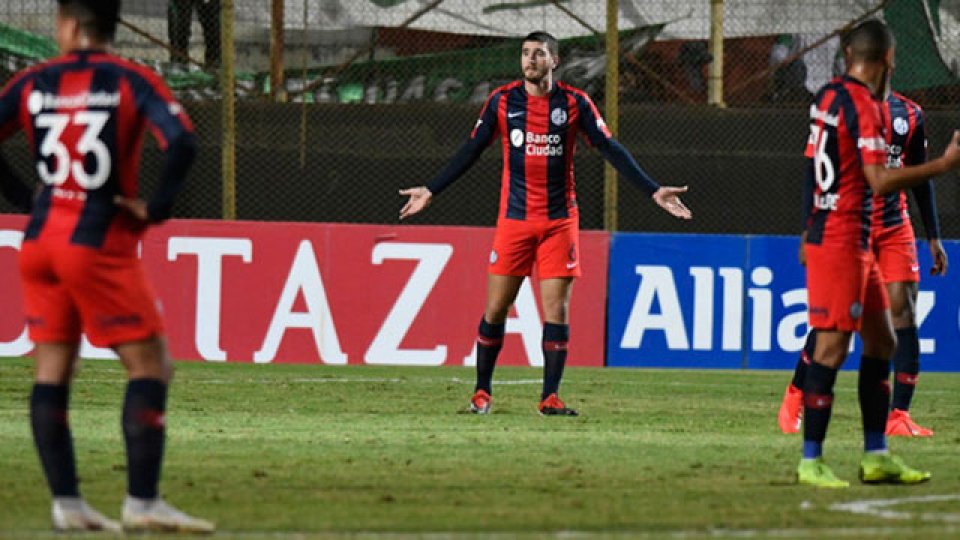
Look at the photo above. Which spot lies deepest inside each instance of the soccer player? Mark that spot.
(84, 114)
(894, 247)
(537, 119)
(848, 155)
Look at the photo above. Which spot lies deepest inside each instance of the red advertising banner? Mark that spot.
(331, 293)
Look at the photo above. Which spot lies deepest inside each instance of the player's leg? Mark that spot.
(877, 464)
(501, 293)
(558, 264)
(906, 359)
(55, 329)
(208, 13)
(118, 309)
(791, 408)
(555, 297)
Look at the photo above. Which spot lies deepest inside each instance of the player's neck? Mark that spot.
(84, 43)
(540, 88)
(869, 74)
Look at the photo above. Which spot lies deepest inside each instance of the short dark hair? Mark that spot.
(868, 41)
(98, 18)
(543, 37)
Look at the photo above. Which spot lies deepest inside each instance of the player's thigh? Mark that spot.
(55, 363)
(903, 300)
(501, 293)
(558, 250)
(51, 314)
(146, 359)
(115, 300)
(895, 250)
(837, 279)
(555, 299)
(514, 248)
(831, 347)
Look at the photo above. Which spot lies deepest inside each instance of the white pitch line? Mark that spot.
(882, 508)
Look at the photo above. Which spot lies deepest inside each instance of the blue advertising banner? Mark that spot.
(709, 301)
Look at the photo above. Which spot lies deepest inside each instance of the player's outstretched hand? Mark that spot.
(420, 198)
(667, 197)
(136, 207)
(939, 258)
(952, 153)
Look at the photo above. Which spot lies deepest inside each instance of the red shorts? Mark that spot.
(896, 251)
(67, 288)
(554, 245)
(843, 283)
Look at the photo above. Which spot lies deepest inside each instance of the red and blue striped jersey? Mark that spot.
(539, 138)
(906, 145)
(846, 134)
(85, 114)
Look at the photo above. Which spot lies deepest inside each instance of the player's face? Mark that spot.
(536, 61)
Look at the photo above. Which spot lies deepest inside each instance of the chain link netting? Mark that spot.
(379, 94)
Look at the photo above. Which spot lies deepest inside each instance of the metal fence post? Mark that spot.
(277, 89)
(715, 84)
(228, 111)
(612, 106)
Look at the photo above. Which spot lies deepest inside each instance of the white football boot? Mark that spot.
(158, 515)
(74, 514)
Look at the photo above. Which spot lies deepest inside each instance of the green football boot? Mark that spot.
(814, 472)
(889, 469)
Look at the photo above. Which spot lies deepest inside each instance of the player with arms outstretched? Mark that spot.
(537, 120)
(894, 246)
(848, 156)
(84, 114)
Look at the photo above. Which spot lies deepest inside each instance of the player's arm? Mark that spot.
(916, 153)
(809, 181)
(174, 133)
(420, 197)
(12, 188)
(883, 180)
(597, 133)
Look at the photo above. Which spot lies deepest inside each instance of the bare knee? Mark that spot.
(146, 359)
(882, 345)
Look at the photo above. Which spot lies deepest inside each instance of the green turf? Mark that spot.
(305, 451)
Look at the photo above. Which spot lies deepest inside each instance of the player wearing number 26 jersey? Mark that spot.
(84, 115)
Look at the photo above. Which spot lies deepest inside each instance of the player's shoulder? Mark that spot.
(910, 104)
(571, 90)
(506, 88)
(126, 68)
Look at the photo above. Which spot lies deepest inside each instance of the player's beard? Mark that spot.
(534, 75)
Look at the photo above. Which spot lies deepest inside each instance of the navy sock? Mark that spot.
(49, 404)
(144, 407)
(489, 343)
(874, 391)
(906, 366)
(555, 338)
(817, 407)
(803, 363)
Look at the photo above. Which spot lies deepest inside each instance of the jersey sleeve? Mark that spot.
(871, 145)
(482, 135)
(917, 145)
(167, 118)
(591, 122)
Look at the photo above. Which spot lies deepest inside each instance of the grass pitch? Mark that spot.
(285, 451)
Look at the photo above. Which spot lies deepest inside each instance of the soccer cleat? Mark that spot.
(552, 406)
(157, 515)
(899, 423)
(481, 402)
(74, 514)
(791, 410)
(889, 469)
(814, 472)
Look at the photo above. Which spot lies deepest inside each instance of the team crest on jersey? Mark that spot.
(516, 137)
(856, 310)
(558, 116)
(493, 256)
(901, 126)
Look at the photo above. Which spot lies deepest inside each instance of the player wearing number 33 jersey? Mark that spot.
(84, 115)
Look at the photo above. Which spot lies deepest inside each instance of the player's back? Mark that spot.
(845, 136)
(84, 114)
